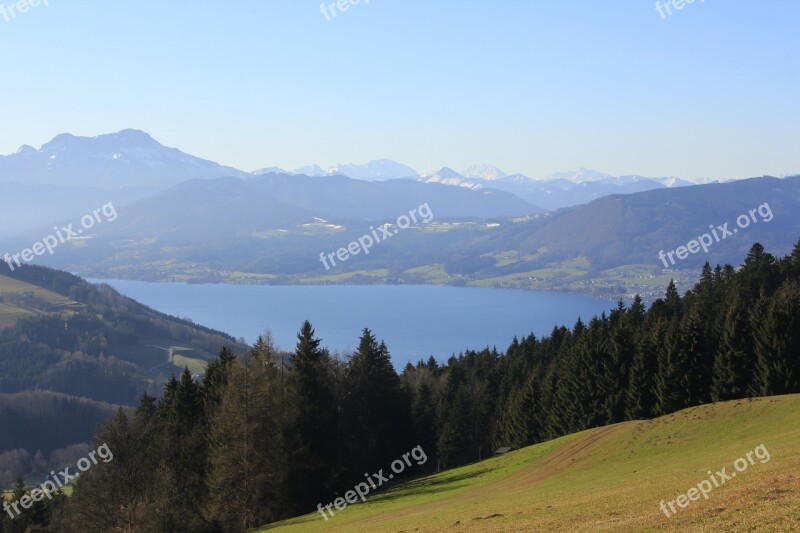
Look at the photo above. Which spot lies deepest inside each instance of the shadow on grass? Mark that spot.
(424, 486)
(430, 485)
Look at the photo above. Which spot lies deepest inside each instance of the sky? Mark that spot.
(710, 90)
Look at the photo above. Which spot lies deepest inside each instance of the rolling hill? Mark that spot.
(271, 229)
(608, 479)
(59, 333)
(71, 355)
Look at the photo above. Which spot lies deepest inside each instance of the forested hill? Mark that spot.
(66, 335)
(302, 435)
(71, 354)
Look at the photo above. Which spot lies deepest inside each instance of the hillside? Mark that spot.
(62, 334)
(72, 354)
(608, 479)
(257, 442)
(264, 231)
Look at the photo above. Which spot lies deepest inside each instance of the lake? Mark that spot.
(416, 321)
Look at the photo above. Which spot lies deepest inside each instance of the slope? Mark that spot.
(62, 334)
(608, 479)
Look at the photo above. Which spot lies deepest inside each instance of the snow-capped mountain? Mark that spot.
(448, 176)
(582, 175)
(128, 158)
(485, 172)
(586, 175)
(673, 182)
(269, 170)
(310, 170)
(132, 159)
(379, 169)
(376, 170)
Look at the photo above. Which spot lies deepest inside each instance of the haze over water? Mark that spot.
(416, 321)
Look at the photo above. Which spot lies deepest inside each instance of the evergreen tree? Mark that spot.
(312, 434)
(735, 361)
(694, 363)
(185, 446)
(521, 424)
(670, 368)
(777, 344)
(616, 365)
(423, 416)
(640, 400)
(375, 415)
(247, 457)
(216, 378)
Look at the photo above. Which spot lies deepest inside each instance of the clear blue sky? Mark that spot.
(531, 86)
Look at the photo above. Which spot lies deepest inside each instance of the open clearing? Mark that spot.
(607, 479)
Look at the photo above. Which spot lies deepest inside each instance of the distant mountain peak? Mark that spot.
(377, 169)
(448, 176)
(447, 173)
(129, 133)
(310, 170)
(582, 175)
(269, 170)
(484, 171)
(26, 149)
(139, 161)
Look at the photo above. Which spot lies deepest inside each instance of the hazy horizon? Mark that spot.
(536, 89)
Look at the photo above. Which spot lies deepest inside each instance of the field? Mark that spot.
(20, 300)
(608, 479)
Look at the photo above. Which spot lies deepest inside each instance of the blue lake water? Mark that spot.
(416, 321)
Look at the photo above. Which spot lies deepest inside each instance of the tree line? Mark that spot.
(267, 435)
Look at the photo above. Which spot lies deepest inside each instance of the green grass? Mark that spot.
(541, 279)
(378, 275)
(607, 479)
(196, 366)
(14, 305)
(435, 274)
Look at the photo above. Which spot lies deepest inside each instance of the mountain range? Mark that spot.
(130, 165)
(490, 228)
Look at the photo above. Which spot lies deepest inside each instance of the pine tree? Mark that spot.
(670, 368)
(375, 413)
(694, 361)
(216, 378)
(521, 423)
(758, 276)
(735, 360)
(185, 454)
(777, 344)
(640, 400)
(672, 301)
(424, 420)
(312, 436)
(20, 523)
(578, 405)
(616, 365)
